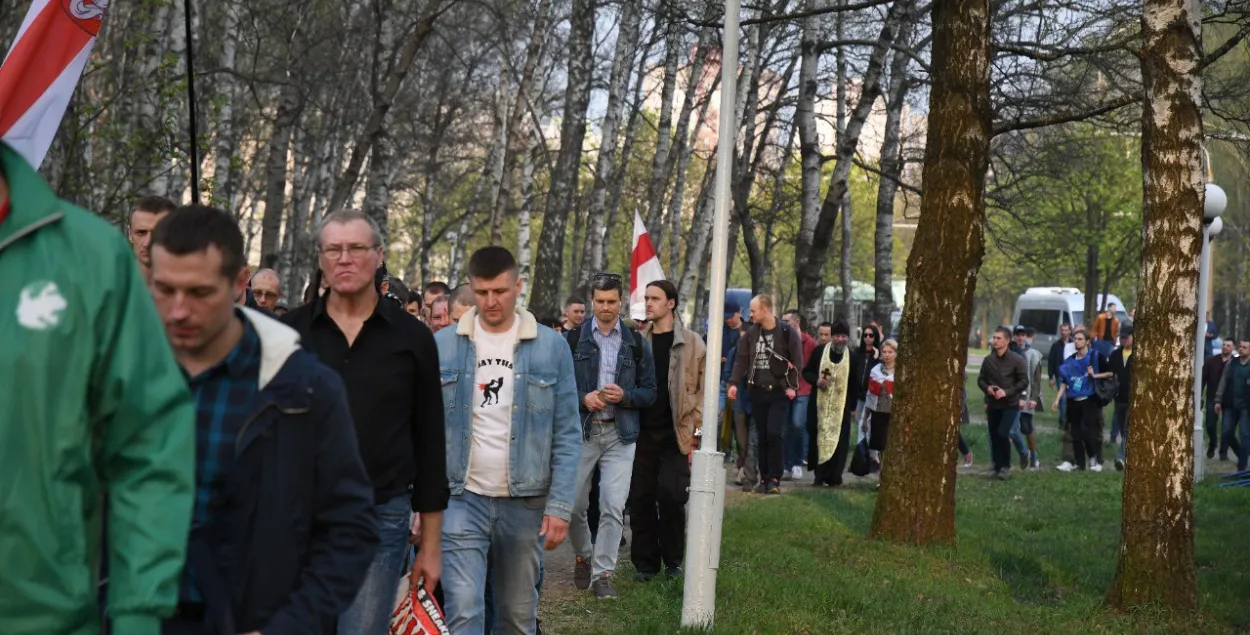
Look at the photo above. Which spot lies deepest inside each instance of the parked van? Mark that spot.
(1045, 308)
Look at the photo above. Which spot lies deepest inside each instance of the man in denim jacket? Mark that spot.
(513, 445)
(615, 383)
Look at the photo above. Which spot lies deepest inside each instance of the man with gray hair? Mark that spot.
(267, 289)
(389, 364)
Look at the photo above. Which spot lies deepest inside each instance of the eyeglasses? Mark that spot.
(261, 295)
(355, 252)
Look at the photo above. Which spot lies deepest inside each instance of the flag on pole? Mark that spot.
(42, 68)
(644, 268)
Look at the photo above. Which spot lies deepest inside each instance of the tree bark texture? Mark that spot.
(664, 131)
(1156, 564)
(887, 188)
(809, 143)
(549, 265)
(916, 503)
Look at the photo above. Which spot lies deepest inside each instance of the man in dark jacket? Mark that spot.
(1232, 401)
(1212, 373)
(1121, 363)
(1004, 378)
(282, 524)
(768, 359)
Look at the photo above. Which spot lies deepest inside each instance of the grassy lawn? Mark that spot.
(1035, 555)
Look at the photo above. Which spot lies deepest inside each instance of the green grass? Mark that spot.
(1035, 555)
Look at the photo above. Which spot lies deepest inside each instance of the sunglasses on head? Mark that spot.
(614, 277)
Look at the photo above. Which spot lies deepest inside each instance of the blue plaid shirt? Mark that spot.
(225, 396)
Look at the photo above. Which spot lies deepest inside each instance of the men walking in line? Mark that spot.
(1212, 373)
(389, 364)
(513, 449)
(91, 404)
(834, 369)
(271, 550)
(615, 384)
(1233, 402)
(795, 438)
(267, 289)
(767, 360)
(661, 474)
(1004, 378)
(1121, 365)
(148, 211)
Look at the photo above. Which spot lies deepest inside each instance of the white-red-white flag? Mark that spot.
(42, 68)
(644, 268)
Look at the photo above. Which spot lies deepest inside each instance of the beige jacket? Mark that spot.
(685, 383)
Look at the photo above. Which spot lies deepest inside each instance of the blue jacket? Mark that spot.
(545, 449)
(636, 379)
(297, 529)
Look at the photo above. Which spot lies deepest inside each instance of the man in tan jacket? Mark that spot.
(661, 461)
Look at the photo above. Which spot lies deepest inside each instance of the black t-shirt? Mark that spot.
(660, 413)
(763, 357)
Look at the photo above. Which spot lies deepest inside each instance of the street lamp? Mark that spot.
(1213, 205)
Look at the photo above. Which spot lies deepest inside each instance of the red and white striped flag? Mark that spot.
(40, 72)
(644, 268)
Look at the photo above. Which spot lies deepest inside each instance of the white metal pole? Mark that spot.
(1204, 279)
(707, 481)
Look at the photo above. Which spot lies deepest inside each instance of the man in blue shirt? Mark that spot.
(271, 550)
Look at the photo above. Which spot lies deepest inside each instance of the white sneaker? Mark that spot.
(797, 472)
(1095, 466)
(1065, 467)
(740, 477)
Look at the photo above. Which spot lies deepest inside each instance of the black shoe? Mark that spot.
(762, 488)
(644, 577)
(1210, 453)
(673, 572)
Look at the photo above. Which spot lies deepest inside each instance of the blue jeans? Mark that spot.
(602, 447)
(1233, 419)
(1017, 438)
(795, 441)
(492, 620)
(504, 532)
(370, 612)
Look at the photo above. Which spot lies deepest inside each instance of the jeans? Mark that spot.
(1228, 436)
(492, 618)
(658, 493)
(796, 433)
(603, 448)
(504, 532)
(1238, 417)
(1104, 346)
(1017, 438)
(771, 409)
(1001, 421)
(1119, 421)
(370, 612)
(1086, 431)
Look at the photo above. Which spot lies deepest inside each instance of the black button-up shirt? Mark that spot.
(395, 395)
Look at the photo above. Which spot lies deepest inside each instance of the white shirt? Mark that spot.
(492, 411)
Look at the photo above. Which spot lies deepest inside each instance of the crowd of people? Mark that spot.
(273, 468)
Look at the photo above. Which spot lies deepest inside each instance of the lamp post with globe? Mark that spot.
(1214, 203)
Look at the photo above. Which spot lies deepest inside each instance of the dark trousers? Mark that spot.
(771, 409)
(879, 432)
(1000, 423)
(657, 501)
(830, 472)
(963, 446)
(1211, 421)
(1083, 421)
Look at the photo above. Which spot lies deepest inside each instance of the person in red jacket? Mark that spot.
(796, 440)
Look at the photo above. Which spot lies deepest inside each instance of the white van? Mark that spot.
(1045, 308)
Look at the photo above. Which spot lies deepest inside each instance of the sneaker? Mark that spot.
(1095, 466)
(644, 578)
(1024, 461)
(1035, 465)
(762, 488)
(673, 572)
(786, 475)
(1066, 466)
(603, 590)
(1210, 453)
(968, 460)
(1003, 475)
(798, 472)
(774, 487)
(740, 477)
(1119, 465)
(581, 574)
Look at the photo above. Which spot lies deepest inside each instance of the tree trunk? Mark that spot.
(524, 263)
(887, 188)
(458, 266)
(1156, 565)
(843, 181)
(811, 249)
(699, 242)
(664, 130)
(548, 272)
(275, 171)
(627, 152)
(605, 170)
(809, 145)
(378, 185)
(224, 166)
(916, 503)
(686, 142)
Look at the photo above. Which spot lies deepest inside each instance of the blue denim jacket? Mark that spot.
(637, 380)
(545, 447)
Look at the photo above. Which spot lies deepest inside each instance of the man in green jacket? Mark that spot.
(91, 404)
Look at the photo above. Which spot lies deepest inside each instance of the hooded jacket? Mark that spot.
(91, 403)
(685, 382)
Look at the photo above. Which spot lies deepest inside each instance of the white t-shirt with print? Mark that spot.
(492, 411)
